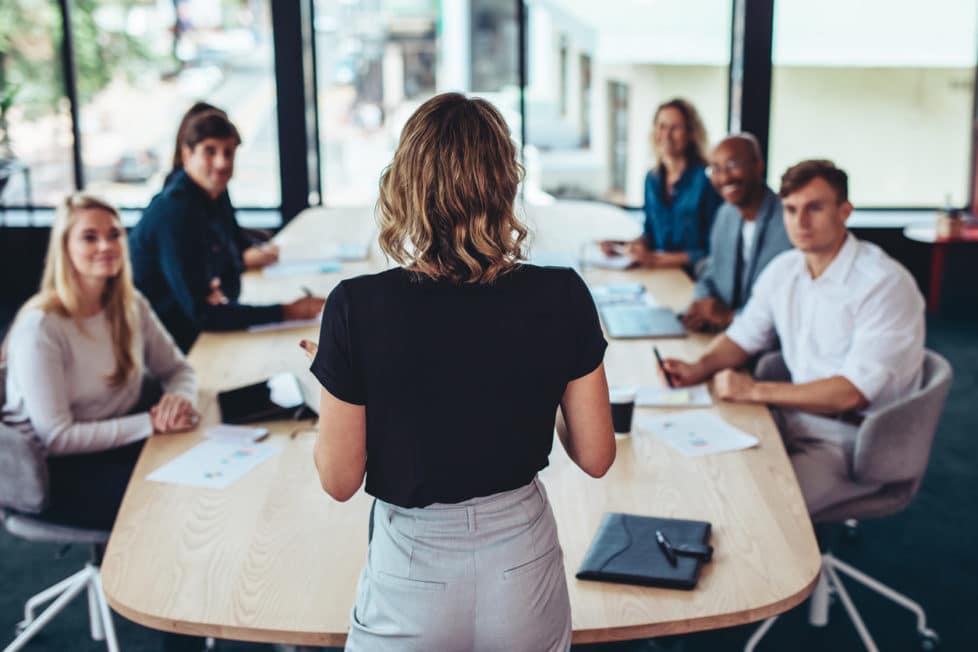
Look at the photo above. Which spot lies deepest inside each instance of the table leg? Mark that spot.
(936, 277)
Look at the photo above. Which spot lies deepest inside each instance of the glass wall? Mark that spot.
(35, 122)
(378, 60)
(885, 88)
(596, 72)
(141, 64)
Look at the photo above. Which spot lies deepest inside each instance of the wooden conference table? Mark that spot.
(273, 558)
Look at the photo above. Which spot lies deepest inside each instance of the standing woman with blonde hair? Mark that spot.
(680, 201)
(442, 381)
(77, 354)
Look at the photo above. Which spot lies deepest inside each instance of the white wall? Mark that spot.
(903, 135)
(650, 85)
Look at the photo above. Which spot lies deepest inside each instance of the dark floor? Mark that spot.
(927, 551)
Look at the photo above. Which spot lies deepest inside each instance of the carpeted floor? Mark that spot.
(927, 551)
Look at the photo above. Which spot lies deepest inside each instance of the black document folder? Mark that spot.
(279, 397)
(625, 550)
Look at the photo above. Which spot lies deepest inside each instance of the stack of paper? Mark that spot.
(622, 293)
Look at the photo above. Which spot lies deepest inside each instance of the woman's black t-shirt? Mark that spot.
(461, 382)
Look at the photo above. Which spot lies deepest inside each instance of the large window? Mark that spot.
(596, 72)
(140, 65)
(378, 60)
(885, 88)
(35, 125)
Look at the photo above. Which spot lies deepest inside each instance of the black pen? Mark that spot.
(658, 358)
(666, 547)
(306, 291)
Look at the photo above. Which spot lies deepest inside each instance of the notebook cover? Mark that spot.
(624, 550)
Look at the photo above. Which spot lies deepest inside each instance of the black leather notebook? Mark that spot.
(625, 550)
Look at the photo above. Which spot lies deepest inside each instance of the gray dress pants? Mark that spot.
(821, 450)
(483, 575)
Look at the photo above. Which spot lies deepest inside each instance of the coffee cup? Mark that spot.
(622, 408)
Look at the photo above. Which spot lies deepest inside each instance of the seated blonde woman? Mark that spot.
(442, 381)
(77, 354)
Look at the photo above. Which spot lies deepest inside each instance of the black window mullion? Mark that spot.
(289, 37)
(750, 69)
(521, 72)
(71, 89)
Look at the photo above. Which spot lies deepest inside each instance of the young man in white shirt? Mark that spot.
(851, 324)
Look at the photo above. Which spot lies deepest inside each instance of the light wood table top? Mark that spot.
(273, 558)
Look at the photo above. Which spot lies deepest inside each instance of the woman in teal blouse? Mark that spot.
(679, 200)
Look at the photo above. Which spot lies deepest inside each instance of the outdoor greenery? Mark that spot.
(31, 70)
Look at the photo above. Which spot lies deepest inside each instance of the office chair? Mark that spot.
(892, 446)
(23, 497)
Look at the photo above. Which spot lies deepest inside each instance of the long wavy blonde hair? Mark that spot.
(60, 292)
(446, 206)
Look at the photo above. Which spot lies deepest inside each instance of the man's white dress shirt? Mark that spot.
(863, 319)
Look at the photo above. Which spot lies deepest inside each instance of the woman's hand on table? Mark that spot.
(173, 413)
(260, 255)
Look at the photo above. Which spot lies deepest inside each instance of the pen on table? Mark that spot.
(662, 367)
(666, 547)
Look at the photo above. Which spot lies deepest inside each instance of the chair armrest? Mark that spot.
(23, 472)
(771, 368)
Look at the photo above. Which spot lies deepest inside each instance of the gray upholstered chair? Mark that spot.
(892, 447)
(23, 497)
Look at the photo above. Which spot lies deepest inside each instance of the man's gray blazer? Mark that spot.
(718, 276)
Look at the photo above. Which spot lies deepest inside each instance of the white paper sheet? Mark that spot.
(331, 251)
(285, 325)
(694, 433)
(657, 396)
(592, 256)
(301, 267)
(546, 258)
(213, 464)
(238, 435)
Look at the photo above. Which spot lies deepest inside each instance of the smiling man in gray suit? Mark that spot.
(748, 231)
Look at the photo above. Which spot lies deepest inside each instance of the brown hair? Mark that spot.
(696, 147)
(213, 123)
(192, 112)
(800, 175)
(59, 292)
(446, 206)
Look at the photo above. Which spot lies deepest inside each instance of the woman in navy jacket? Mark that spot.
(187, 249)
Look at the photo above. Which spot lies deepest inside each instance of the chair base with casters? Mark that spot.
(829, 585)
(87, 580)
(891, 450)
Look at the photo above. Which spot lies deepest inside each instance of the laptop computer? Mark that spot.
(640, 320)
